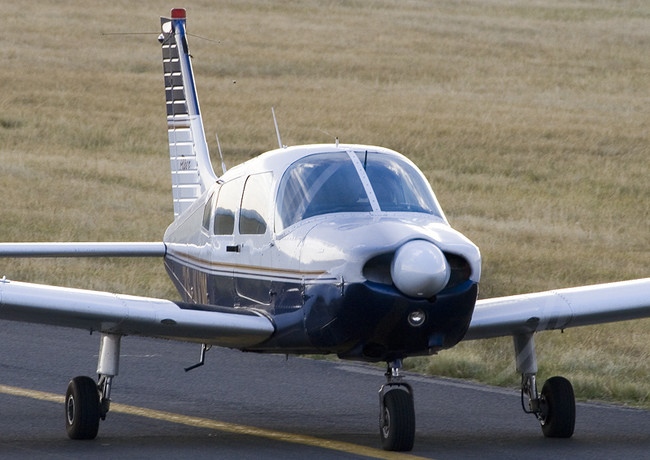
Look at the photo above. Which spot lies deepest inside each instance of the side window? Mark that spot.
(255, 204)
(207, 211)
(227, 203)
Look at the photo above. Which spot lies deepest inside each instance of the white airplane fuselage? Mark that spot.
(323, 276)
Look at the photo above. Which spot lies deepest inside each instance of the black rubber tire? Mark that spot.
(397, 422)
(558, 408)
(82, 408)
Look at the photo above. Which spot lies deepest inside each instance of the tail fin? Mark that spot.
(192, 171)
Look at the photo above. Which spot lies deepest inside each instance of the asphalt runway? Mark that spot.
(242, 405)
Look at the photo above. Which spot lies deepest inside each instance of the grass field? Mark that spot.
(530, 119)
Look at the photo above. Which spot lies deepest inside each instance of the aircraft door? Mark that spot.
(254, 240)
(224, 250)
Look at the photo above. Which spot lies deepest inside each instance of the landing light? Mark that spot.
(417, 318)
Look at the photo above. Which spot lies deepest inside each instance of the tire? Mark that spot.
(82, 408)
(397, 421)
(558, 408)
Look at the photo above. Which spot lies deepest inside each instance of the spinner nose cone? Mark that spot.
(419, 269)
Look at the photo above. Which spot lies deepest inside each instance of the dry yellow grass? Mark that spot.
(529, 118)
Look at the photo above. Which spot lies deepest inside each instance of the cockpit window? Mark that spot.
(320, 184)
(397, 184)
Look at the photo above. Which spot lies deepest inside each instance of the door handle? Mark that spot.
(233, 248)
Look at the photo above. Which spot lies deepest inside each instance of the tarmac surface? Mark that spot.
(242, 405)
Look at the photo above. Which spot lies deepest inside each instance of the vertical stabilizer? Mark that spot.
(192, 171)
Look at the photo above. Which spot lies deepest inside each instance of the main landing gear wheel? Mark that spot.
(558, 408)
(397, 421)
(82, 411)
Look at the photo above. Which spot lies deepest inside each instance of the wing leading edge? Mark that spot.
(89, 249)
(130, 315)
(560, 309)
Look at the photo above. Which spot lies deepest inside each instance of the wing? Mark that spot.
(131, 315)
(560, 309)
(123, 314)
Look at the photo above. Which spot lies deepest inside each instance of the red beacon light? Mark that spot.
(178, 13)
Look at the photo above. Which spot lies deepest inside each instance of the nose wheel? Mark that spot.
(396, 412)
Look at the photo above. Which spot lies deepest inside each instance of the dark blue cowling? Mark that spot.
(369, 321)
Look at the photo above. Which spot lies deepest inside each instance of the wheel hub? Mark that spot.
(70, 410)
(385, 423)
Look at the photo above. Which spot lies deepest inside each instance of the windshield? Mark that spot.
(397, 184)
(320, 184)
(325, 183)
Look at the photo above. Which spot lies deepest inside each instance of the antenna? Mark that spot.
(336, 138)
(223, 163)
(277, 130)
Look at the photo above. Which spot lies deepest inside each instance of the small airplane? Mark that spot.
(322, 249)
